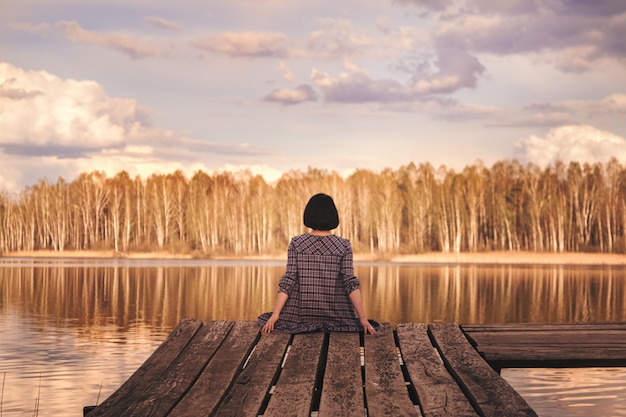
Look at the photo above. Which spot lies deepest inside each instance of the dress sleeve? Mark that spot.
(286, 282)
(350, 281)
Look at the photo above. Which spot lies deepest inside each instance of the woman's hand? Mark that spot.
(269, 324)
(281, 299)
(367, 327)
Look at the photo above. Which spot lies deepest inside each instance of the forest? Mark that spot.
(415, 209)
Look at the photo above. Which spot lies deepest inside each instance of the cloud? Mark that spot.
(125, 44)
(337, 39)
(42, 114)
(615, 103)
(42, 29)
(12, 93)
(331, 39)
(38, 109)
(356, 86)
(297, 95)
(436, 5)
(287, 73)
(162, 23)
(456, 70)
(184, 148)
(403, 39)
(565, 112)
(580, 143)
(244, 44)
(574, 36)
(61, 127)
(564, 7)
(269, 173)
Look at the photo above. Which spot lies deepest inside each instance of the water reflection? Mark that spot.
(580, 392)
(496, 294)
(74, 331)
(159, 297)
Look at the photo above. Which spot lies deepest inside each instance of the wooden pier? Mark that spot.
(224, 368)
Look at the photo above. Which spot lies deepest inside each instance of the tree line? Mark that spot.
(416, 208)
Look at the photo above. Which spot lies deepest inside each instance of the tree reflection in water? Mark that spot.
(82, 324)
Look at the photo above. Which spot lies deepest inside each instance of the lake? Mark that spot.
(73, 330)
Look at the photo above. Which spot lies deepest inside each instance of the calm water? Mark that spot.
(73, 331)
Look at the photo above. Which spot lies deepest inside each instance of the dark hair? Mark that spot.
(320, 213)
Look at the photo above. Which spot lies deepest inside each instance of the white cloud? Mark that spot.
(55, 127)
(38, 109)
(580, 143)
(19, 171)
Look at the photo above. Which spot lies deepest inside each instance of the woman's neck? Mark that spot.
(320, 232)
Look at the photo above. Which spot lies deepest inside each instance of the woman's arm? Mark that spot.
(284, 287)
(281, 299)
(357, 302)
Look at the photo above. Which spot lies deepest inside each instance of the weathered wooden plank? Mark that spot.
(543, 330)
(588, 337)
(149, 372)
(174, 382)
(584, 340)
(385, 390)
(556, 354)
(294, 389)
(547, 327)
(531, 345)
(439, 394)
(342, 392)
(245, 397)
(203, 397)
(489, 393)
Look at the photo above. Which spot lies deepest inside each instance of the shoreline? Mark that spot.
(531, 258)
(494, 257)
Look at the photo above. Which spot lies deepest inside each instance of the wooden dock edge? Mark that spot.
(219, 368)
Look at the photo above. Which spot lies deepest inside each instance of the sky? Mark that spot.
(154, 86)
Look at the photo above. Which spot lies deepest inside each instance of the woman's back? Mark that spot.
(324, 278)
(319, 291)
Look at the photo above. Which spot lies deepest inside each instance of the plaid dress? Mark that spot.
(318, 279)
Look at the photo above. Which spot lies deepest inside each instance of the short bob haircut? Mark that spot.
(320, 213)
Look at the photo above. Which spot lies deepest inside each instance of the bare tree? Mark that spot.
(413, 209)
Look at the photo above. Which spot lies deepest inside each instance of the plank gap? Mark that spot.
(239, 370)
(362, 354)
(270, 390)
(318, 386)
(407, 378)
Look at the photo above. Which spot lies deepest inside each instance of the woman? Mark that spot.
(319, 291)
